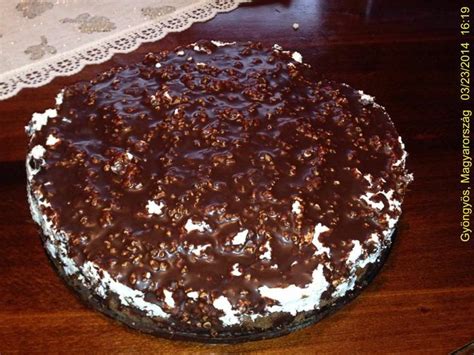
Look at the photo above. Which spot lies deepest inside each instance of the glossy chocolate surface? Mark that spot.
(225, 139)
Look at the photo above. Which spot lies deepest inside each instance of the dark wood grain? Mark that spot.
(404, 53)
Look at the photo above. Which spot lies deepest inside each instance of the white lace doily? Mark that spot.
(42, 39)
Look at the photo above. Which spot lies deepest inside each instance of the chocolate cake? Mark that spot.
(219, 192)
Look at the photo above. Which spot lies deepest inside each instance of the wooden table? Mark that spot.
(403, 52)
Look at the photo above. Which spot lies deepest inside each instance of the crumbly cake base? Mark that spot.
(278, 324)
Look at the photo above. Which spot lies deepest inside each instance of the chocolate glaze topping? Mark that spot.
(208, 168)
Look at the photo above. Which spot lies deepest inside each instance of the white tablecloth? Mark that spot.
(41, 39)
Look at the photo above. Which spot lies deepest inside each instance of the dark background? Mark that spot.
(406, 54)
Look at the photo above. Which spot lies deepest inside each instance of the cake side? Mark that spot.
(249, 331)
